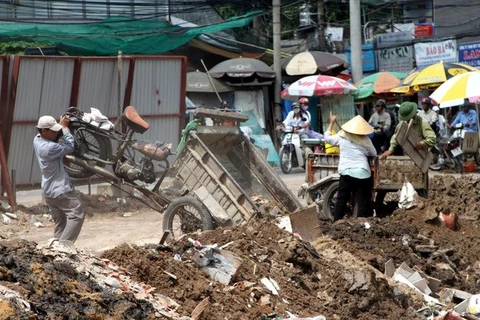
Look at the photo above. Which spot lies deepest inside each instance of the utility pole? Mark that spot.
(321, 29)
(356, 40)
(277, 88)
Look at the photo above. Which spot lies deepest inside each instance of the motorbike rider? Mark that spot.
(304, 104)
(467, 117)
(353, 167)
(297, 120)
(381, 122)
(428, 114)
(406, 112)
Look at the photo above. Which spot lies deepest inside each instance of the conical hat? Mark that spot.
(357, 125)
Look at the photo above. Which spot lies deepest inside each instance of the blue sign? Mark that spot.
(368, 57)
(469, 53)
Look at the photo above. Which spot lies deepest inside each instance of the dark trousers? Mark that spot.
(379, 139)
(362, 192)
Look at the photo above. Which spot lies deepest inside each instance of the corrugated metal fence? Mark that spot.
(32, 86)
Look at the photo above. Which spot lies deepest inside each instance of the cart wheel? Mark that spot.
(286, 160)
(186, 215)
(331, 199)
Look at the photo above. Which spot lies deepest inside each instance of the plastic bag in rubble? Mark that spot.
(408, 196)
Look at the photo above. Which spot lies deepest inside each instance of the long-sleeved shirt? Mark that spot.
(430, 116)
(422, 129)
(467, 118)
(291, 120)
(381, 119)
(352, 155)
(55, 180)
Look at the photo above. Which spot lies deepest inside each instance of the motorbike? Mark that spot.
(132, 162)
(294, 151)
(448, 151)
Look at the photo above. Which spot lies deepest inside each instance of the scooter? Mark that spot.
(294, 151)
(448, 151)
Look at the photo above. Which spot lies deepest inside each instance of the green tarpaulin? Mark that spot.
(106, 38)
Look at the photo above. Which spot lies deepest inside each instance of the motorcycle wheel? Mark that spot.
(186, 215)
(286, 160)
(89, 143)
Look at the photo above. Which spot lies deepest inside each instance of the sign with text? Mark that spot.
(394, 39)
(424, 30)
(395, 59)
(428, 53)
(469, 53)
(368, 57)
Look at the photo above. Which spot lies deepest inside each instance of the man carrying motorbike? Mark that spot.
(65, 207)
(467, 117)
(381, 122)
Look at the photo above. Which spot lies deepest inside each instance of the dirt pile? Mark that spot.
(340, 276)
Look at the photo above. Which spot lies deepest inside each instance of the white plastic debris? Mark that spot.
(408, 196)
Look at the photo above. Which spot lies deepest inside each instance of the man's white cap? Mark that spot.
(48, 122)
(435, 108)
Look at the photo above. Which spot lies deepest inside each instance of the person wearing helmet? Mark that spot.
(381, 122)
(407, 112)
(353, 166)
(428, 114)
(304, 104)
(297, 120)
(467, 117)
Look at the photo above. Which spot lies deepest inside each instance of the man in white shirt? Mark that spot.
(381, 122)
(428, 114)
(442, 128)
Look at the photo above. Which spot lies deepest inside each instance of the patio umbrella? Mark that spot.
(243, 70)
(431, 77)
(311, 63)
(378, 83)
(453, 91)
(198, 81)
(318, 85)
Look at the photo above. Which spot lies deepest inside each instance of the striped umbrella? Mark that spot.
(319, 85)
(453, 91)
(432, 77)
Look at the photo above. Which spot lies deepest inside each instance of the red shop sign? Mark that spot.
(424, 30)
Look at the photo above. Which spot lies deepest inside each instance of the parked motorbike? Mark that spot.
(448, 151)
(294, 151)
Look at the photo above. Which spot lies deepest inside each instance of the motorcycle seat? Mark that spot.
(311, 141)
(134, 120)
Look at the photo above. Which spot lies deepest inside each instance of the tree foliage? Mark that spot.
(19, 47)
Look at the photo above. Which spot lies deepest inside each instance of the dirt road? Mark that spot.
(107, 230)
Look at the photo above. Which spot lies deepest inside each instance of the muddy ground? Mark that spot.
(340, 276)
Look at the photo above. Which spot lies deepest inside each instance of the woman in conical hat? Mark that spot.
(354, 168)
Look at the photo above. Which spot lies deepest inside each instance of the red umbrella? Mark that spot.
(319, 85)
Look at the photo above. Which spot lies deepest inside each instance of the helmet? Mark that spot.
(427, 101)
(295, 105)
(466, 103)
(303, 100)
(381, 102)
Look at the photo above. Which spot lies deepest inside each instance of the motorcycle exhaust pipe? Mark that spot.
(93, 168)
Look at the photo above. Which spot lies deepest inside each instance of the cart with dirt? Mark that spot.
(221, 168)
(389, 175)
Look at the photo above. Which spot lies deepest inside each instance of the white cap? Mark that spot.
(435, 108)
(48, 122)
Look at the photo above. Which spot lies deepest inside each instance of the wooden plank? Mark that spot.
(221, 115)
(407, 139)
